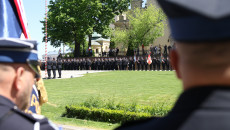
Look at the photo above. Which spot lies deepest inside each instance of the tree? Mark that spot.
(145, 26)
(70, 20)
(109, 9)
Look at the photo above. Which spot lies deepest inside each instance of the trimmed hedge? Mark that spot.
(101, 114)
(155, 109)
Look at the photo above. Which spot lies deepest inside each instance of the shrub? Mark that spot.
(102, 114)
(156, 109)
(109, 111)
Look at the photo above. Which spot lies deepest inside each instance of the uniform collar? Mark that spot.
(203, 96)
(6, 102)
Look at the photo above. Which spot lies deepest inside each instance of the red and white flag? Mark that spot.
(149, 60)
(22, 17)
(13, 23)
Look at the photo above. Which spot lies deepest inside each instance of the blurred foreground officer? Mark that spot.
(201, 29)
(18, 71)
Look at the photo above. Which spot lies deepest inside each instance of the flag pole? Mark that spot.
(46, 39)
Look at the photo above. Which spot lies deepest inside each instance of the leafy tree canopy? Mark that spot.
(144, 26)
(70, 20)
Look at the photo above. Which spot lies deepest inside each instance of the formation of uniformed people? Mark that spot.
(52, 66)
(118, 63)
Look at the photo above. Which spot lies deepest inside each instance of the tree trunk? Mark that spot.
(77, 49)
(83, 48)
(89, 46)
(130, 51)
(90, 38)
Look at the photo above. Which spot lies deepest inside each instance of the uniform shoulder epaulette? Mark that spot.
(37, 119)
(26, 116)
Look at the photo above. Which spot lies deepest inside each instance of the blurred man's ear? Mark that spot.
(18, 78)
(175, 62)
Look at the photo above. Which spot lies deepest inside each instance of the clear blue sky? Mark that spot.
(35, 12)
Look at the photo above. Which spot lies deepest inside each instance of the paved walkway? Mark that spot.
(66, 127)
(71, 73)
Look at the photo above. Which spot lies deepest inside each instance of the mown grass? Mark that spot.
(140, 87)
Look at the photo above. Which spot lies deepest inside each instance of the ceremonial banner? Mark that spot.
(134, 58)
(149, 60)
(34, 102)
(12, 19)
(22, 17)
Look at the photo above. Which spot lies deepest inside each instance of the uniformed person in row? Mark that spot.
(80, 64)
(88, 64)
(63, 64)
(163, 63)
(142, 63)
(77, 64)
(98, 64)
(146, 63)
(49, 67)
(59, 67)
(109, 64)
(83, 64)
(120, 64)
(54, 67)
(124, 63)
(138, 63)
(116, 64)
(167, 61)
(18, 71)
(158, 63)
(153, 65)
(72, 64)
(201, 29)
(93, 64)
(131, 63)
(68, 64)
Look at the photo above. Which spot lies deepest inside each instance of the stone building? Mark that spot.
(99, 44)
(121, 21)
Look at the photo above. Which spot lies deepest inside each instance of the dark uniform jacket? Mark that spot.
(49, 65)
(205, 108)
(54, 66)
(13, 119)
(59, 64)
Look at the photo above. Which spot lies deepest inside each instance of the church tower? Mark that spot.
(136, 4)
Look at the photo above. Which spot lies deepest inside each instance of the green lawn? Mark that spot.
(141, 87)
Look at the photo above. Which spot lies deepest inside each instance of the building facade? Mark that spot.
(121, 21)
(99, 44)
